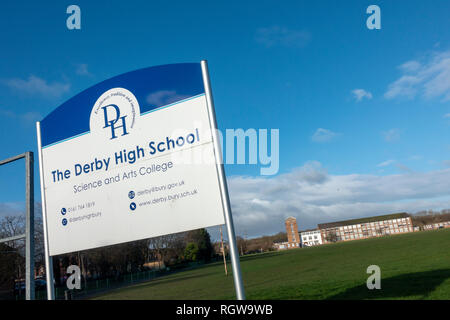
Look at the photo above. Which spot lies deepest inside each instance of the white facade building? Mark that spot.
(311, 238)
(439, 225)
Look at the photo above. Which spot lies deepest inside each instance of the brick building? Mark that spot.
(366, 227)
(292, 233)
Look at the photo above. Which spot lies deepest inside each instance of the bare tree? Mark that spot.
(12, 251)
(13, 226)
(331, 236)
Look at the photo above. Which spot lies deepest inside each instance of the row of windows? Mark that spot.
(375, 226)
(307, 233)
(311, 243)
(394, 222)
(369, 231)
(391, 228)
(444, 224)
(366, 234)
(305, 238)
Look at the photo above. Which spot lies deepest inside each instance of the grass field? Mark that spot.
(413, 266)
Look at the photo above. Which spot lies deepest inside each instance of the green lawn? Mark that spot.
(413, 266)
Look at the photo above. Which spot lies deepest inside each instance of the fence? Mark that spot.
(93, 287)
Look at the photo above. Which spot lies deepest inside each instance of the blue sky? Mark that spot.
(288, 65)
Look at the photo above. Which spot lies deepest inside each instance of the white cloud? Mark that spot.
(282, 36)
(447, 115)
(404, 168)
(312, 172)
(360, 94)
(26, 118)
(17, 209)
(164, 97)
(397, 164)
(260, 204)
(82, 69)
(410, 66)
(415, 157)
(36, 85)
(11, 209)
(31, 117)
(428, 79)
(386, 163)
(7, 113)
(323, 135)
(391, 135)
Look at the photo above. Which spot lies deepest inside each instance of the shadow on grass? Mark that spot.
(257, 256)
(166, 280)
(418, 285)
(138, 286)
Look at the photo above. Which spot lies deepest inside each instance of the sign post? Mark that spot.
(48, 258)
(134, 157)
(234, 254)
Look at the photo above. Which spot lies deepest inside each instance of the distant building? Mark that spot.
(366, 227)
(280, 245)
(155, 265)
(438, 225)
(292, 233)
(311, 237)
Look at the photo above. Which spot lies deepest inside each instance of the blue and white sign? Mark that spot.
(127, 159)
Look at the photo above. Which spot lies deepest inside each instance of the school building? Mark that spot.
(364, 228)
(347, 230)
(312, 237)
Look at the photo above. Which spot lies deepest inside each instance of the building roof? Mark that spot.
(362, 220)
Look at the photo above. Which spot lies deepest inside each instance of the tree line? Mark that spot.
(169, 251)
(425, 217)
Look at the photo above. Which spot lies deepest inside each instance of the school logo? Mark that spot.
(114, 114)
(112, 123)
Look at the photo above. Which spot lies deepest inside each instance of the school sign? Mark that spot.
(110, 160)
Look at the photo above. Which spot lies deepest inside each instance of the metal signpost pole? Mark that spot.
(223, 186)
(48, 258)
(29, 240)
(223, 252)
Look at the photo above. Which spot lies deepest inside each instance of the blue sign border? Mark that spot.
(167, 84)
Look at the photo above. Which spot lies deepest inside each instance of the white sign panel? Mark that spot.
(130, 158)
